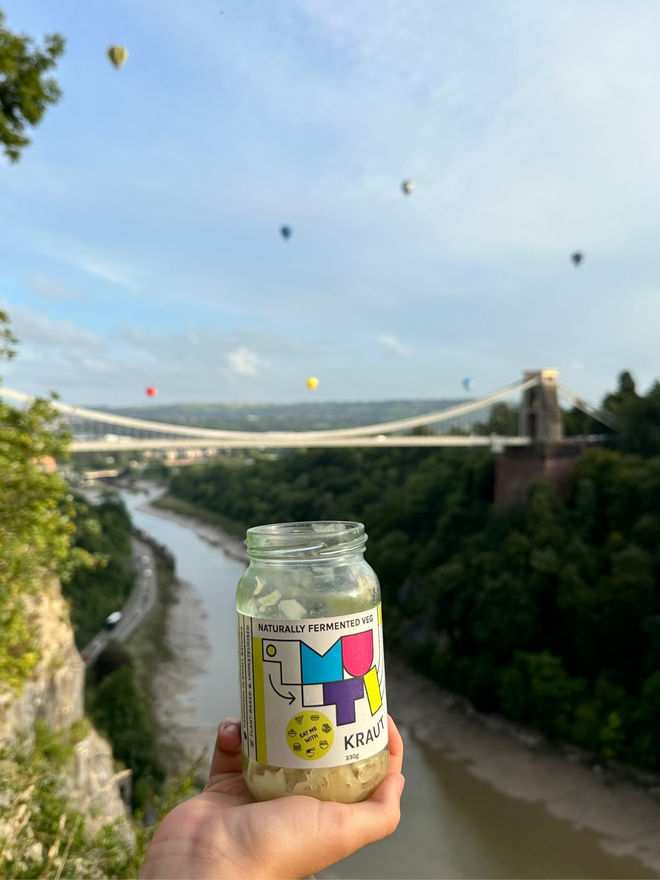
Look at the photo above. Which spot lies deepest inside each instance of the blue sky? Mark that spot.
(139, 236)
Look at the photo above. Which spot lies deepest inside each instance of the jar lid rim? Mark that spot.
(315, 536)
(316, 527)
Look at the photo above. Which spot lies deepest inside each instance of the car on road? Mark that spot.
(85, 656)
(112, 620)
(147, 572)
(144, 560)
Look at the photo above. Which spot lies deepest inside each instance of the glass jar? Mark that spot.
(313, 704)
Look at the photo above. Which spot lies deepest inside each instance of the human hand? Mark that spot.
(225, 833)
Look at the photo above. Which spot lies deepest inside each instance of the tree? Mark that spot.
(25, 90)
(119, 711)
(36, 522)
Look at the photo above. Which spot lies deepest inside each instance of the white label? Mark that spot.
(313, 690)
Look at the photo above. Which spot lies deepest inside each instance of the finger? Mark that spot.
(395, 744)
(227, 752)
(379, 815)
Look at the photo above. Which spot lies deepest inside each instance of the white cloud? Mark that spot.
(530, 129)
(243, 362)
(211, 348)
(35, 329)
(109, 275)
(50, 289)
(98, 261)
(393, 347)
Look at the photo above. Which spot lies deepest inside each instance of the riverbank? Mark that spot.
(215, 529)
(612, 815)
(624, 816)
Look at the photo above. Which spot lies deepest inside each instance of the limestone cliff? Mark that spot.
(55, 694)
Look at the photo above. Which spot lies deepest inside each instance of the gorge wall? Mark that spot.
(55, 695)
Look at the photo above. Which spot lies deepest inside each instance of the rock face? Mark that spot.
(94, 785)
(55, 691)
(55, 694)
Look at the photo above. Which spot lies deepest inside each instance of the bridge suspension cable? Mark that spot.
(591, 409)
(263, 438)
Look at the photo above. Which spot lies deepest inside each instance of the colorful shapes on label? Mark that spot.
(321, 668)
(373, 690)
(358, 652)
(309, 735)
(343, 694)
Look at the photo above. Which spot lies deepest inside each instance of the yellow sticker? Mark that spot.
(309, 735)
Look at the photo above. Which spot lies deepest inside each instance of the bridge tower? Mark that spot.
(547, 457)
(540, 416)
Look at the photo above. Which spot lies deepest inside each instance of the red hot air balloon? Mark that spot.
(151, 391)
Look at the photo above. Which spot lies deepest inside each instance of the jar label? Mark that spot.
(312, 690)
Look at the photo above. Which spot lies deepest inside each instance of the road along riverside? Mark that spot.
(311, 664)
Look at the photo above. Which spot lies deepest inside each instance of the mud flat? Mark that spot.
(176, 709)
(625, 818)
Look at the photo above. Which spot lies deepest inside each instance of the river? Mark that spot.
(476, 803)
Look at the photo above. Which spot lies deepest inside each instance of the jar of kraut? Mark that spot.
(312, 672)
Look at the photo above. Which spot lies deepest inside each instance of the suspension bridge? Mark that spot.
(533, 402)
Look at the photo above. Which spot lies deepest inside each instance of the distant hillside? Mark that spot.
(283, 416)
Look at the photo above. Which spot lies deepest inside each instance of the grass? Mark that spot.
(43, 832)
(185, 508)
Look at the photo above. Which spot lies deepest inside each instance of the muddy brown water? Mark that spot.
(475, 805)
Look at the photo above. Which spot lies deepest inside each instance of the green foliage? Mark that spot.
(114, 698)
(25, 89)
(118, 709)
(36, 523)
(54, 747)
(638, 418)
(536, 689)
(640, 422)
(550, 614)
(43, 832)
(104, 532)
(111, 658)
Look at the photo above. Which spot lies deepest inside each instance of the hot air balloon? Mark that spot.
(312, 382)
(118, 56)
(577, 258)
(151, 391)
(407, 187)
(468, 384)
(286, 232)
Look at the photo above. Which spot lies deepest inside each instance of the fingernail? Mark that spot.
(230, 727)
(402, 782)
